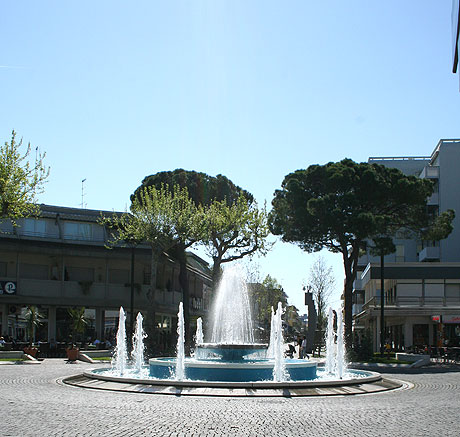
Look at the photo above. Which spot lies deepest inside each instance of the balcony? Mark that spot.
(430, 172)
(414, 302)
(429, 254)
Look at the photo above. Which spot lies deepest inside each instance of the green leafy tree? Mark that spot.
(34, 320)
(339, 205)
(266, 296)
(234, 231)
(78, 322)
(166, 219)
(234, 227)
(21, 180)
(202, 188)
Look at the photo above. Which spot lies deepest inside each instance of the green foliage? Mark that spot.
(33, 319)
(229, 223)
(78, 321)
(233, 231)
(266, 296)
(363, 347)
(339, 205)
(336, 205)
(203, 189)
(20, 180)
(159, 216)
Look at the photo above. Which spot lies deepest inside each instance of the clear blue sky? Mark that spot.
(114, 91)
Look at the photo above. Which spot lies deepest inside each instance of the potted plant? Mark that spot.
(33, 321)
(78, 324)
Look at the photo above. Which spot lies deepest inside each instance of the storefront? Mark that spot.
(451, 330)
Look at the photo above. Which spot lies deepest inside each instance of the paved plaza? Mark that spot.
(34, 402)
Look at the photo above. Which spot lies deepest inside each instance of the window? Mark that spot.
(34, 227)
(3, 269)
(78, 231)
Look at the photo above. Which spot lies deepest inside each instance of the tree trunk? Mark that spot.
(216, 272)
(350, 264)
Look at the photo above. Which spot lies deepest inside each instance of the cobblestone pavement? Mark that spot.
(33, 403)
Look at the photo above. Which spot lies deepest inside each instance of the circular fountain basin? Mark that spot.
(231, 371)
(230, 352)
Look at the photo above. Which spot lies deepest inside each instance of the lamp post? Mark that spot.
(131, 319)
(382, 303)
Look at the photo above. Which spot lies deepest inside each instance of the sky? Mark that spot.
(114, 91)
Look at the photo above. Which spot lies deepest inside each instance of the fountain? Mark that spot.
(232, 358)
(137, 354)
(120, 355)
(232, 355)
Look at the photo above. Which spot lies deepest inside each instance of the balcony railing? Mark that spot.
(68, 292)
(414, 302)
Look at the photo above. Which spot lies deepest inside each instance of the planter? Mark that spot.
(32, 351)
(72, 353)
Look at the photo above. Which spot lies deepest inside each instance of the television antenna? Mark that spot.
(83, 204)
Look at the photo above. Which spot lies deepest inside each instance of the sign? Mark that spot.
(436, 319)
(451, 319)
(8, 287)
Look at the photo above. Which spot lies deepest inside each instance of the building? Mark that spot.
(422, 278)
(61, 260)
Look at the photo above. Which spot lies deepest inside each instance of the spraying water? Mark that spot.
(271, 345)
(330, 344)
(279, 369)
(180, 360)
(120, 355)
(137, 353)
(199, 331)
(231, 316)
(340, 359)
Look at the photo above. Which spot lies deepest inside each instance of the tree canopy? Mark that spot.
(21, 180)
(202, 188)
(234, 231)
(339, 205)
(233, 226)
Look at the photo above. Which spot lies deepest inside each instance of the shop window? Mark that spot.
(420, 335)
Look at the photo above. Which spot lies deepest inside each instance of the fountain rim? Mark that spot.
(231, 346)
(246, 364)
(370, 378)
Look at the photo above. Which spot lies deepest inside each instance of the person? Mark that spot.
(304, 348)
(299, 343)
(2, 341)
